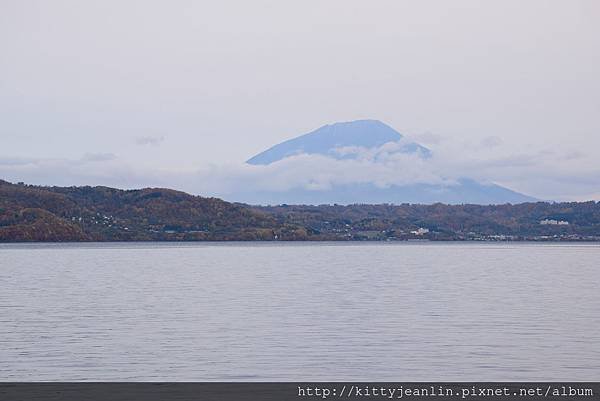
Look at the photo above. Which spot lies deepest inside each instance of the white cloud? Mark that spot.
(319, 172)
(90, 169)
(545, 173)
(542, 173)
(149, 140)
(98, 157)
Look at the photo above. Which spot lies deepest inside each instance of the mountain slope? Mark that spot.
(30, 213)
(465, 192)
(325, 140)
(364, 141)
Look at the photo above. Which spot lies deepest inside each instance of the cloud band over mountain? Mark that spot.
(538, 172)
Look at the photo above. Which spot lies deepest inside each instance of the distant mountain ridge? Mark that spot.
(464, 192)
(331, 140)
(324, 141)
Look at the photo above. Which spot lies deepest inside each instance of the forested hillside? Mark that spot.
(30, 213)
(34, 213)
(525, 221)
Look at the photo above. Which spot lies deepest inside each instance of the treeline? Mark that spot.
(520, 221)
(34, 213)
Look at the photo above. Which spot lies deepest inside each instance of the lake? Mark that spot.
(300, 311)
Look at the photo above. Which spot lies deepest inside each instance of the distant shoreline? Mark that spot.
(31, 214)
(306, 242)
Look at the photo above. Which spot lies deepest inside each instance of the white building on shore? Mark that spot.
(552, 222)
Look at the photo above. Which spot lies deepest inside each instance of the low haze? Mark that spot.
(182, 93)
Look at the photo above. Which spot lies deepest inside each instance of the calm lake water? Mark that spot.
(247, 311)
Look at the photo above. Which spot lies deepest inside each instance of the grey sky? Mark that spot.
(127, 93)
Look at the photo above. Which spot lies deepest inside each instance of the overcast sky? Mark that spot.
(133, 93)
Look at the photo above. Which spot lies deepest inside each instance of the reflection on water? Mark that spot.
(244, 311)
